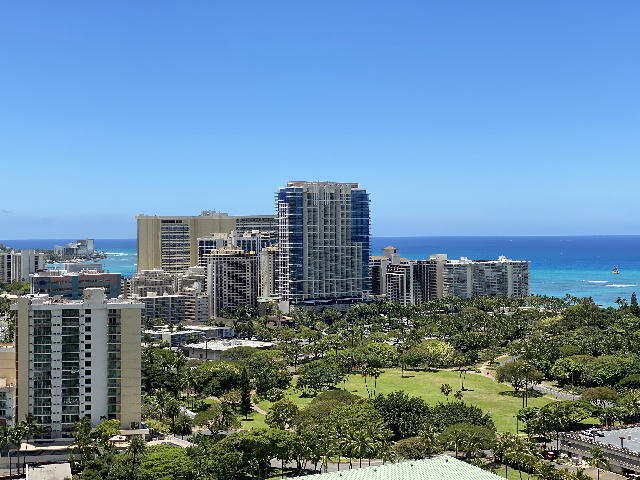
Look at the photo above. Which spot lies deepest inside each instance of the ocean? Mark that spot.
(575, 265)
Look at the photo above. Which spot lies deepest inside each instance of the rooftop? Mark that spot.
(55, 471)
(222, 345)
(437, 468)
(612, 436)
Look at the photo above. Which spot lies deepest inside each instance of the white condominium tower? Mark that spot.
(323, 241)
(78, 358)
(486, 278)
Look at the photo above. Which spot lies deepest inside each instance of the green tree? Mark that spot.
(282, 414)
(136, 450)
(182, 426)
(446, 390)
(83, 442)
(319, 375)
(245, 394)
(598, 459)
(470, 439)
(405, 415)
(217, 418)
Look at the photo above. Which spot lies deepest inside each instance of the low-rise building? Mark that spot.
(213, 349)
(174, 338)
(436, 468)
(72, 284)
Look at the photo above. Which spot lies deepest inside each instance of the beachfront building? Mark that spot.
(232, 280)
(408, 282)
(486, 278)
(19, 265)
(413, 282)
(79, 248)
(78, 358)
(323, 244)
(72, 284)
(171, 243)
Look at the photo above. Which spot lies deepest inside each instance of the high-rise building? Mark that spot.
(268, 285)
(19, 265)
(7, 383)
(171, 243)
(408, 282)
(378, 265)
(323, 241)
(166, 308)
(157, 281)
(232, 280)
(72, 284)
(486, 278)
(413, 282)
(78, 358)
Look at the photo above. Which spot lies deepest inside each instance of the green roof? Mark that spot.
(435, 468)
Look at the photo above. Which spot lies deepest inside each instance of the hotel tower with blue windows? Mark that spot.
(323, 244)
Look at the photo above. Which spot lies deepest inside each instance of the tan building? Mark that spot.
(7, 383)
(78, 358)
(171, 243)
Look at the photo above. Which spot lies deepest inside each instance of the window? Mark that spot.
(87, 389)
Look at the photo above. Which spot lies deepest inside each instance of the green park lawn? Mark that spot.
(492, 397)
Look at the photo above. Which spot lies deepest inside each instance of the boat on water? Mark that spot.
(615, 270)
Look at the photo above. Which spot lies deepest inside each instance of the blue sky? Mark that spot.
(461, 117)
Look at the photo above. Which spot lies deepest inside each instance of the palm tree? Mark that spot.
(16, 436)
(136, 449)
(446, 389)
(182, 426)
(597, 459)
(31, 426)
(172, 410)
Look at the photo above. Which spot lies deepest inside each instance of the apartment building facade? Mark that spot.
(19, 265)
(78, 358)
(232, 280)
(486, 278)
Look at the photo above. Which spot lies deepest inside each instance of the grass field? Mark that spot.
(492, 397)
